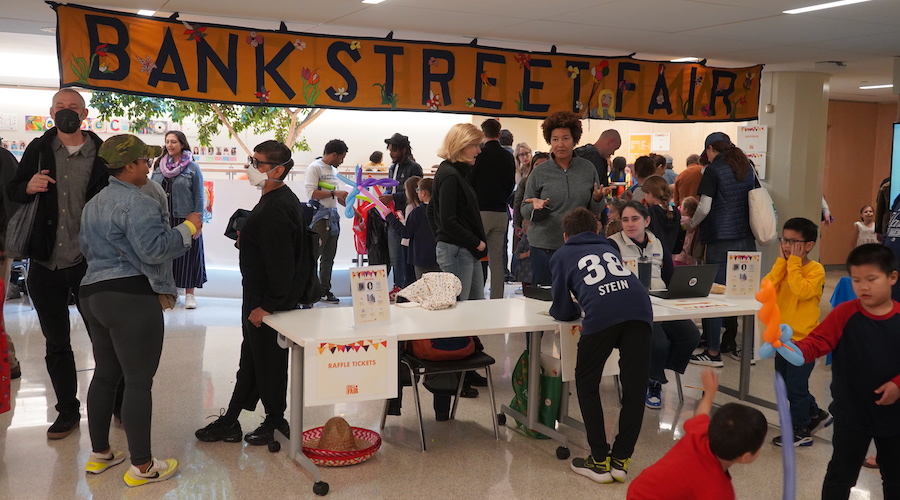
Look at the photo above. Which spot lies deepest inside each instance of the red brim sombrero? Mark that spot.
(367, 443)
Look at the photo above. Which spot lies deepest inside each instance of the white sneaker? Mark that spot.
(99, 462)
(190, 302)
(159, 470)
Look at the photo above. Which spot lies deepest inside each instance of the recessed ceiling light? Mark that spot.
(145, 12)
(685, 59)
(873, 87)
(821, 6)
(49, 29)
(372, 1)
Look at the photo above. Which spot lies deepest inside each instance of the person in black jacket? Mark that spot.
(62, 168)
(275, 274)
(493, 179)
(453, 212)
(402, 168)
(8, 167)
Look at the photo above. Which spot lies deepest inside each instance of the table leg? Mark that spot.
(295, 443)
(743, 391)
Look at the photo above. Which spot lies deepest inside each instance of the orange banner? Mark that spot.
(107, 50)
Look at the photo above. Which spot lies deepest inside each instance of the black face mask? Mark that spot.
(67, 121)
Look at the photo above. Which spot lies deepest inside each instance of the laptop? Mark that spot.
(689, 282)
(539, 292)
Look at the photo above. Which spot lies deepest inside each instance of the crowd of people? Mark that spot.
(118, 230)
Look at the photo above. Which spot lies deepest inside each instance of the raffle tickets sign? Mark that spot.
(344, 370)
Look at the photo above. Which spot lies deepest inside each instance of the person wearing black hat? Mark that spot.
(724, 221)
(61, 168)
(403, 167)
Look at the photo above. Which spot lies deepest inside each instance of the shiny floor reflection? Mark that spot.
(195, 379)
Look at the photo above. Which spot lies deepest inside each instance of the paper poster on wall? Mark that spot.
(369, 291)
(743, 273)
(661, 141)
(759, 161)
(752, 139)
(350, 370)
(9, 121)
(638, 145)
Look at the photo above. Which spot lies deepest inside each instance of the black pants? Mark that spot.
(632, 338)
(49, 291)
(850, 448)
(262, 371)
(127, 335)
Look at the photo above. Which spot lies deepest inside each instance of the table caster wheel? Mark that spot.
(562, 453)
(320, 488)
(501, 419)
(275, 447)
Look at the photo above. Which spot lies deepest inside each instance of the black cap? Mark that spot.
(398, 140)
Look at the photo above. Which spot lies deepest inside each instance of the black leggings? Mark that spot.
(632, 338)
(127, 334)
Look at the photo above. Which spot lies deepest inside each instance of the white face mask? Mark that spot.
(256, 177)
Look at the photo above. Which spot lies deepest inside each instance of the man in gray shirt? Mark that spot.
(62, 170)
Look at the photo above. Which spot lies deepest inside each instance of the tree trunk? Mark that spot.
(231, 130)
(296, 128)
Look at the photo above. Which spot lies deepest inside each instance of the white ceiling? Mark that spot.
(865, 37)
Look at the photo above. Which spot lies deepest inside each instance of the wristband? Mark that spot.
(190, 225)
(332, 193)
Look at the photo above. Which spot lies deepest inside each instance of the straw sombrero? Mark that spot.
(337, 444)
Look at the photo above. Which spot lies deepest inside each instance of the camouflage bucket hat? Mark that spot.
(120, 150)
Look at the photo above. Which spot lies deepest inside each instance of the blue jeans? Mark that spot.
(540, 265)
(717, 253)
(671, 346)
(796, 380)
(461, 263)
(398, 257)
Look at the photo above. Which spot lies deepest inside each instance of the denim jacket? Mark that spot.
(187, 190)
(125, 233)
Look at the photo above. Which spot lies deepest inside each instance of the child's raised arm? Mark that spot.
(710, 387)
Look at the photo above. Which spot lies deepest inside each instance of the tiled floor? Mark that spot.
(195, 379)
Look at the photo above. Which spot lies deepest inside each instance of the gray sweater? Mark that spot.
(567, 190)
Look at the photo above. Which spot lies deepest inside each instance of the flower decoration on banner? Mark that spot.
(341, 92)
(101, 50)
(299, 44)
(310, 85)
(698, 81)
(147, 65)
(470, 102)
(601, 70)
(748, 81)
(355, 45)
(360, 190)
(660, 99)
(432, 61)
(262, 95)
(704, 110)
(386, 98)
(486, 80)
(579, 105)
(195, 32)
(104, 67)
(572, 72)
(254, 40)
(524, 60)
(434, 102)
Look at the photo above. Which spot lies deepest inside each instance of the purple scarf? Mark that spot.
(171, 169)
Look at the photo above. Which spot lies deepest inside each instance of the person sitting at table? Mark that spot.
(617, 314)
(672, 342)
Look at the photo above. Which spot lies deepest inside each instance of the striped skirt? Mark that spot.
(190, 268)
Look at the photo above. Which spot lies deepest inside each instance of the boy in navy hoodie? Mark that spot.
(617, 314)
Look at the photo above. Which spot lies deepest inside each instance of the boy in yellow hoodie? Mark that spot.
(799, 283)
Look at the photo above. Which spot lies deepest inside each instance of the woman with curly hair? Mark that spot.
(555, 188)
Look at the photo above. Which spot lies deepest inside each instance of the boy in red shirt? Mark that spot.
(864, 337)
(697, 466)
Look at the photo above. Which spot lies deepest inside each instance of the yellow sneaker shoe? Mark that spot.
(99, 462)
(158, 471)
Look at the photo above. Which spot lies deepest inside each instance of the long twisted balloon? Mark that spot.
(776, 336)
(359, 191)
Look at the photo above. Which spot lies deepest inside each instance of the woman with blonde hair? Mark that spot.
(453, 211)
(523, 160)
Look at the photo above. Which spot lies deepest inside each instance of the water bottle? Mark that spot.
(644, 271)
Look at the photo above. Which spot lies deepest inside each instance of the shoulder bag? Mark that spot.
(763, 216)
(19, 229)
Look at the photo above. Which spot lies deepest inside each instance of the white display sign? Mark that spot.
(660, 141)
(369, 290)
(753, 139)
(759, 161)
(743, 273)
(350, 370)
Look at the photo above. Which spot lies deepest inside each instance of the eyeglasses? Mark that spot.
(253, 162)
(790, 242)
(525, 154)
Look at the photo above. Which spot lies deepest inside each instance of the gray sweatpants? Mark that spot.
(127, 335)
